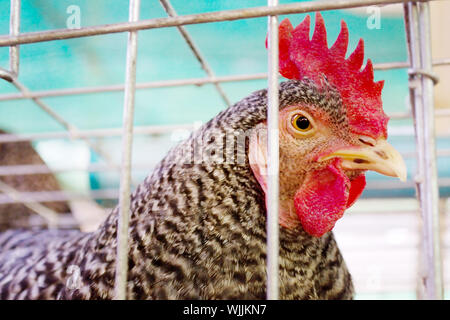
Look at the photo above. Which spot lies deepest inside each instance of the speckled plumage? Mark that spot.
(197, 229)
(16, 215)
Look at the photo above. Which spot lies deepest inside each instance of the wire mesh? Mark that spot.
(418, 31)
(421, 79)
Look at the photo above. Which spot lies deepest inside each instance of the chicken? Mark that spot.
(197, 223)
(17, 215)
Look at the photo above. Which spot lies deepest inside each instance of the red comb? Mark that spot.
(301, 57)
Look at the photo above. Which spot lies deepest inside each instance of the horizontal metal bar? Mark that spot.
(394, 184)
(442, 153)
(195, 50)
(227, 15)
(120, 87)
(402, 65)
(391, 65)
(444, 112)
(176, 83)
(19, 170)
(94, 133)
(58, 196)
(15, 170)
(441, 62)
(16, 196)
(66, 220)
(142, 130)
(139, 130)
(71, 129)
(113, 194)
(25, 91)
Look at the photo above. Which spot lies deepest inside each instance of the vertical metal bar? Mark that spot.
(14, 28)
(127, 140)
(273, 160)
(433, 290)
(421, 91)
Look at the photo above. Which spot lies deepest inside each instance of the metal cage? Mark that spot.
(421, 80)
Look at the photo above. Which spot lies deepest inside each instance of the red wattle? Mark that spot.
(357, 186)
(323, 198)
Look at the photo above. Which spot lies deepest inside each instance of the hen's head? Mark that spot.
(330, 138)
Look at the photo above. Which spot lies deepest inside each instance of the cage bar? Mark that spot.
(177, 83)
(272, 159)
(226, 15)
(55, 196)
(14, 29)
(190, 42)
(113, 194)
(142, 85)
(421, 81)
(71, 129)
(16, 196)
(24, 90)
(143, 130)
(20, 170)
(14, 170)
(421, 92)
(127, 142)
(94, 133)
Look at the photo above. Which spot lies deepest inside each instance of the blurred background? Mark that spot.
(379, 236)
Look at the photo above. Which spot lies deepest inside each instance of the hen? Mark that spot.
(197, 225)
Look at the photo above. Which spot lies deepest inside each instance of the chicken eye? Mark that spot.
(301, 123)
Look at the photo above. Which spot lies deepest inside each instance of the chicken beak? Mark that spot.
(381, 157)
